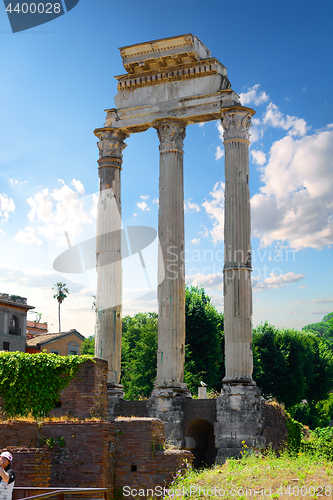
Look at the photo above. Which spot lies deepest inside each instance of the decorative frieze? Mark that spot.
(173, 72)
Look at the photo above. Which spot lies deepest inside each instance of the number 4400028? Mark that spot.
(35, 8)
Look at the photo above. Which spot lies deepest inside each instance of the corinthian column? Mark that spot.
(236, 123)
(108, 252)
(171, 291)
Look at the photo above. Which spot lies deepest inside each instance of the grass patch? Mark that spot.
(300, 476)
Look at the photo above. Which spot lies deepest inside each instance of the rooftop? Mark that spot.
(46, 338)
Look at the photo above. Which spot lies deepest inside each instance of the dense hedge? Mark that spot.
(31, 383)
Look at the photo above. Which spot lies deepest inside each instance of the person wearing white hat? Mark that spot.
(7, 476)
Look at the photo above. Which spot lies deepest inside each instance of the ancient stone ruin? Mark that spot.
(168, 85)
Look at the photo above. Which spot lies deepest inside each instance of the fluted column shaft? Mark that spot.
(108, 251)
(171, 291)
(237, 247)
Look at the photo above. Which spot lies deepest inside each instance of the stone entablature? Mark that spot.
(157, 54)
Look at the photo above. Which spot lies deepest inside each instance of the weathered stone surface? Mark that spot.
(237, 247)
(171, 289)
(108, 251)
(240, 420)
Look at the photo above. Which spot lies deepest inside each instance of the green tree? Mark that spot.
(292, 366)
(204, 339)
(88, 346)
(139, 354)
(61, 292)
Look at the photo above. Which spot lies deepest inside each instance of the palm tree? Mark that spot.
(60, 295)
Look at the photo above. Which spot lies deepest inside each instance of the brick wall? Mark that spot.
(32, 467)
(18, 433)
(88, 457)
(132, 409)
(86, 394)
(275, 430)
(141, 460)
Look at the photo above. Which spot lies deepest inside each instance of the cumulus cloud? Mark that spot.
(253, 95)
(215, 210)
(144, 196)
(191, 207)
(7, 205)
(274, 118)
(28, 236)
(277, 281)
(294, 204)
(143, 206)
(219, 153)
(303, 286)
(208, 281)
(78, 186)
(195, 241)
(156, 201)
(57, 211)
(258, 157)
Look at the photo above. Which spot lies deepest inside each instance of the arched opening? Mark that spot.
(200, 440)
(14, 326)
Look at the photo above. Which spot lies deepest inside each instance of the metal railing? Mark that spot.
(59, 492)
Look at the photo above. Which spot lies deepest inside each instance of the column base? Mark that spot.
(240, 413)
(167, 404)
(239, 380)
(115, 396)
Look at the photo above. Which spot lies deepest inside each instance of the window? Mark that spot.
(14, 326)
(54, 352)
(73, 349)
(5, 346)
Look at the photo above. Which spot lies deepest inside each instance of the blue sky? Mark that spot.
(57, 79)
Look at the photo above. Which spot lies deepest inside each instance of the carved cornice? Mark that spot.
(111, 143)
(236, 123)
(171, 134)
(197, 69)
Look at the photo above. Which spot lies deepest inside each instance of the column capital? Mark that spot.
(236, 123)
(111, 145)
(171, 133)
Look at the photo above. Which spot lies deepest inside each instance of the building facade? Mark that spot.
(13, 322)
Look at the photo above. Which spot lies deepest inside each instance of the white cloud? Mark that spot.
(259, 157)
(303, 286)
(253, 96)
(195, 241)
(204, 233)
(277, 281)
(219, 153)
(16, 182)
(78, 186)
(215, 210)
(7, 205)
(144, 196)
(329, 300)
(201, 124)
(208, 281)
(191, 207)
(28, 236)
(58, 211)
(156, 201)
(274, 118)
(220, 129)
(2, 232)
(295, 202)
(37, 279)
(143, 206)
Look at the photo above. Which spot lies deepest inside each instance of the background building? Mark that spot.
(13, 321)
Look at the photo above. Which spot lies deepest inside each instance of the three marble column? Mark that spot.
(171, 290)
